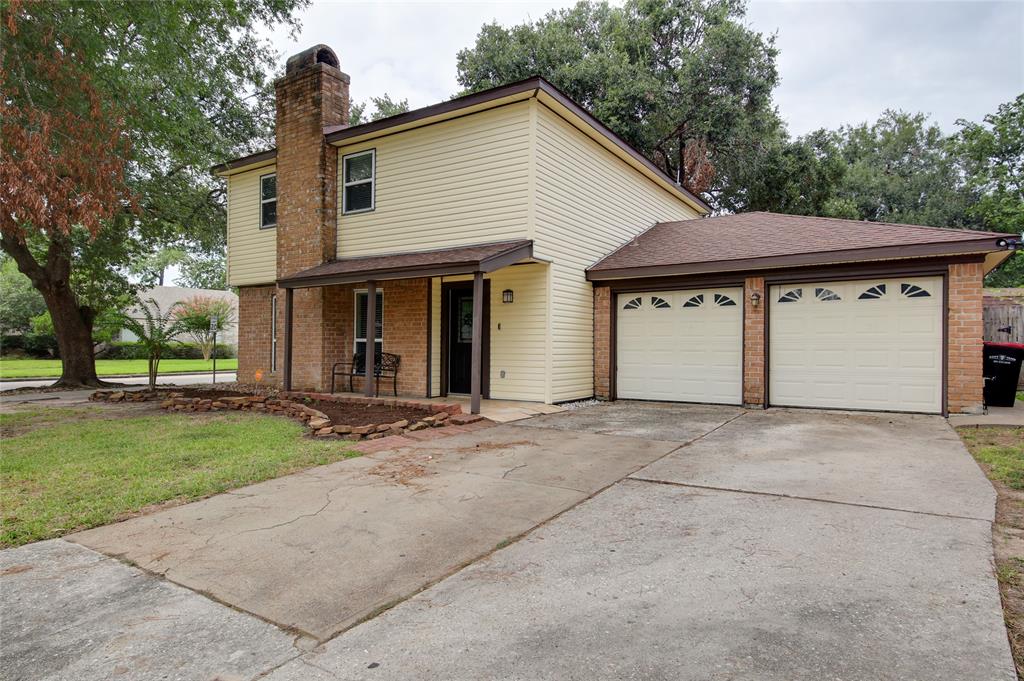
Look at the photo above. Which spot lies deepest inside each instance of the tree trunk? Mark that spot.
(72, 323)
(73, 327)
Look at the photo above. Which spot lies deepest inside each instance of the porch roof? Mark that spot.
(485, 257)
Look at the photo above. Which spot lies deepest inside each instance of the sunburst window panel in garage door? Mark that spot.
(873, 348)
(689, 350)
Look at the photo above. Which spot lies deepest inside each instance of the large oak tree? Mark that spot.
(112, 114)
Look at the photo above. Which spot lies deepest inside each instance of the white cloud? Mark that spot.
(840, 62)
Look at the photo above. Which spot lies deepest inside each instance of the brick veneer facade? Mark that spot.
(965, 382)
(753, 343)
(254, 335)
(309, 97)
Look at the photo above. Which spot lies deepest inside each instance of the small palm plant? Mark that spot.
(156, 331)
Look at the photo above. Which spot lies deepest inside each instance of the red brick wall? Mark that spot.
(602, 342)
(966, 330)
(254, 339)
(307, 100)
(754, 343)
(405, 332)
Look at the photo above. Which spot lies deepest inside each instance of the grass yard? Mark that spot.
(1000, 452)
(50, 368)
(67, 469)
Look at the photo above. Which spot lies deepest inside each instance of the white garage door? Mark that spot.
(684, 346)
(872, 344)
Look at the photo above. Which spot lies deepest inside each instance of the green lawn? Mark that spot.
(1000, 449)
(47, 368)
(66, 469)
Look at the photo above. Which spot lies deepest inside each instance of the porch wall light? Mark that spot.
(506, 296)
(755, 299)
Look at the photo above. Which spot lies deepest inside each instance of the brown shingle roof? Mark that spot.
(445, 261)
(753, 240)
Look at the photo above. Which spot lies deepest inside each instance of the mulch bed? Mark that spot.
(364, 414)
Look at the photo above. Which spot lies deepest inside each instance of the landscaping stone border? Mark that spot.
(292, 404)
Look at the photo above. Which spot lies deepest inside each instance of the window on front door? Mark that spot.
(360, 346)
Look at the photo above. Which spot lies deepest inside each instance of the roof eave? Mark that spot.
(980, 247)
(251, 162)
(496, 261)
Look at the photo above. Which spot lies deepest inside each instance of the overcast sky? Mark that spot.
(840, 62)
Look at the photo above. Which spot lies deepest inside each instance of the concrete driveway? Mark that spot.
(778, 545)
(628, 540)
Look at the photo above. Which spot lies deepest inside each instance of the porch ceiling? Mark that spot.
(434, 263)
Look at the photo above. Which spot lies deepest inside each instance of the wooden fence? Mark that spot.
(1004, 317)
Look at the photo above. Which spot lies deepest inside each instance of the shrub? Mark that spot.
(135, 350)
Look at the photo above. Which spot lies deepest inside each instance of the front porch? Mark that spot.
(431, 309)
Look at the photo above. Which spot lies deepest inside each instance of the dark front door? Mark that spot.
(460, 340)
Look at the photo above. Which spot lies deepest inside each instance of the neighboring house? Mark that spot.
(167, 296)
(516, 248)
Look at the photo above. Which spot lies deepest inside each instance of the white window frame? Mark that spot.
(372, 181)
(263, 200)
(355, 320)
(273, 333)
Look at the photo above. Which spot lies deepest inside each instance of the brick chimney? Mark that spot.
(312, 94)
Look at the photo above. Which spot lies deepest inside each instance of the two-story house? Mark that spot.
(508, 245)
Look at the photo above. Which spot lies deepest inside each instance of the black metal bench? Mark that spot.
(385, 365)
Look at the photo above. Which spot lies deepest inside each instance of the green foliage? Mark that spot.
(383, 107)
(19, 300)
(151, 268)
(992, 153)
(1008, 275)
(186, 83)
(198, 314)
(685, 82)
(200, 271)
(135, 350)
(156, 332)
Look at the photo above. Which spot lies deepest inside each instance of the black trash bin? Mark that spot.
(1002, 371)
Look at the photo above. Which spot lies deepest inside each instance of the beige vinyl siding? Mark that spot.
(588, 202)
(518, 333)
(252, 252)
(458, 182)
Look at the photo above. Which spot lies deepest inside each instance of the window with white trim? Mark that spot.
(268, 201)
(378, 328)
(359, 173)
(273, 333)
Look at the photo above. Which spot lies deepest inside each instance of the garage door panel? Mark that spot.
(679, 353)
(845, 351)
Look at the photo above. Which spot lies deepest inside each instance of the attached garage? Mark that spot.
(684, 346)
(866, 344)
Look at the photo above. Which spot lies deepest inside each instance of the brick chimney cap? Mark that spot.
(318, 54)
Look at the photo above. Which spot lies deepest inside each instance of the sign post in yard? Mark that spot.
(213, 328)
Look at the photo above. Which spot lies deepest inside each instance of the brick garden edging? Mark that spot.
(290, 404)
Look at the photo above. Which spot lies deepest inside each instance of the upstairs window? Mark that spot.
(358, 172)
(268, 201)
